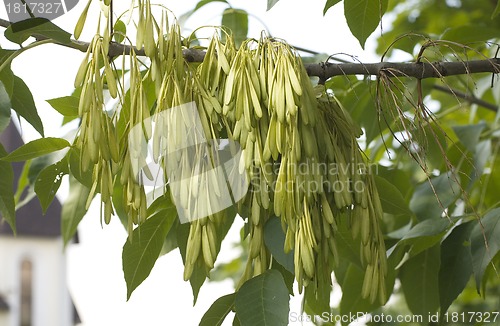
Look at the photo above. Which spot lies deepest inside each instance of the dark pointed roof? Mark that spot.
(30, 220)
(4, 306)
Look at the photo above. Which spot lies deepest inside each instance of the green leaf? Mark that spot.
(66, 105)
(6, 75)
(274, 238)
(236, 20)
(204, 2)
(4, 107)
(40, 163)
(424, 202)
(20, 31)
(432, 139)
(85, 178)
(160, 204)
(218, 311)
(118, 203)
(263, 300)
(7, 205)
(352, 302)
(23, 182)
(36, 148)
(271, 3)
(363, 17)
(425, 235)
(73, 209)
(287, 276)
(398, 177)
(391, 199)
(470, 34)
(427, 228)
(49, 181)
(163, 202)
(456, 265)
(141, 251)
(170, 242)
(22, 102)
(200, 4)
(419, 280)
(358, 101)
(120, 31)
(347, 246)
(487, 231)
(317, 294)
(482, 155)
(496, 11)
(469, 134)
(329, 4)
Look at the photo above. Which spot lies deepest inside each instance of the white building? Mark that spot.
(33, 285)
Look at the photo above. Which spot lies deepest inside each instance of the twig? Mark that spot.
(468, 97)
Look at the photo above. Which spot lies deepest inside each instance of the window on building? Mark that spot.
(26, 292)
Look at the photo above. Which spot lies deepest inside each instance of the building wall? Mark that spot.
(51, 303)
(4, 318)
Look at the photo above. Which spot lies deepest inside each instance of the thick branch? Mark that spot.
(418, 70)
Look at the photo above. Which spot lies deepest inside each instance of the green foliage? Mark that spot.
(470, 34)
(4, 107)
(351, 284)
(66, 105)
(22, 102)
(236, 22)
(363, 17)
(419, 280)
(7, 206)
(329, 4)
(21, 31)
(198, 6)
(271, 3)
(36, 148)
(274, 239)
(143, 246)
(218, 311)
(263, 300)
(120, 31)
(73, 209)
(456, 265)
(48, 182)
(496, 11)
(424, 203)
(435, 18)
(391, 198)
(485, 243)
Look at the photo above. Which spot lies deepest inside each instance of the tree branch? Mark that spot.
(420, 70)
(468, 97)
(327, 70)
